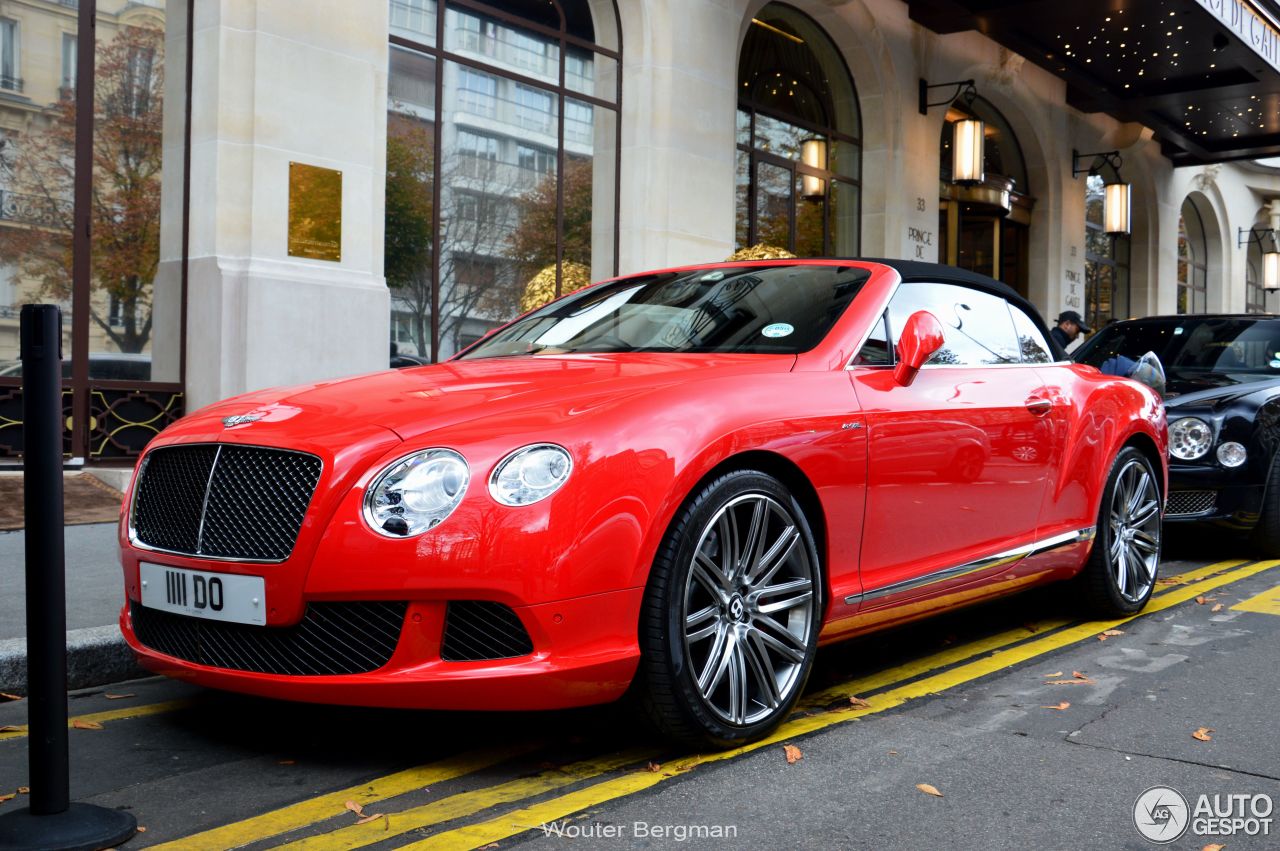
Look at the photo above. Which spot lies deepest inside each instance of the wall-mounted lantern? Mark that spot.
(968, 148)
(1117, 199)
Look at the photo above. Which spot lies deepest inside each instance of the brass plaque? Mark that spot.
(315, 212)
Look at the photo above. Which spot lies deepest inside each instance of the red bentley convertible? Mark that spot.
(686, 479)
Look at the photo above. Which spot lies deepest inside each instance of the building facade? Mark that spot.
(491, 155)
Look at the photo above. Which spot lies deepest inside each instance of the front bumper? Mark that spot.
(584, 652)
(1209, 493)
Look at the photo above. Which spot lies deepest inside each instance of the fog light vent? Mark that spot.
(476, 630)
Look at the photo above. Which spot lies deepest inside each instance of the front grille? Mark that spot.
(224, 501)
(475, 630)
(1182, 503)
(331, 638)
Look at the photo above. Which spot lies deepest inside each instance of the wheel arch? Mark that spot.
(1145, 444)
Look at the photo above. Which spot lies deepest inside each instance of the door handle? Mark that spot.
(1039, 406)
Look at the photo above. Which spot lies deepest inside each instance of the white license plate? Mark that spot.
(216, 596)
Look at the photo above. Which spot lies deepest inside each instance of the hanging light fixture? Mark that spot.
(1269, 244)
(813, 153)
(968, 151)
(969, 136)
(1117, 216)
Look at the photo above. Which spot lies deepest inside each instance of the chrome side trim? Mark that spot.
(999, 559)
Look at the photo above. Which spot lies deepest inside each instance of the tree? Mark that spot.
(125, 206)
(533, 242)
(410, 219)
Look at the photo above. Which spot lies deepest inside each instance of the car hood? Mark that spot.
(416, 400)
(1217, 398)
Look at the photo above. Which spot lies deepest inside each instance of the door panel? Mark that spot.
(958, 465)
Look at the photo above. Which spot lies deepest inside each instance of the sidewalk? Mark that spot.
(96, 653)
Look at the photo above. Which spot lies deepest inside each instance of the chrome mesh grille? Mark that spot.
(224, 501)
(1181, 503)
(477, 629)
(331, 638)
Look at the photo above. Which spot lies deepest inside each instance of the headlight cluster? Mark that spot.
(417, 492)
(1190, 438)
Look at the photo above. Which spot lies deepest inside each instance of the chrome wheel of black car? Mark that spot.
(1135, 530)
(731, 614)
(1122, 568)
(748, 609)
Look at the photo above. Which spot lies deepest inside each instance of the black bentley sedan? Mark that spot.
(1223, 401)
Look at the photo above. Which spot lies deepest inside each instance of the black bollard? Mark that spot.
(51, 822)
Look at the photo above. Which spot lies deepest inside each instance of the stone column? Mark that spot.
(278, 82)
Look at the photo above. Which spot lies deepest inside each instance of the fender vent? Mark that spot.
(475, 630)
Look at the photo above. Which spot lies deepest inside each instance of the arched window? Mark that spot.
(985, 227)
(799, 139)
(1106, 257)
(1193, 257)
(502, 154)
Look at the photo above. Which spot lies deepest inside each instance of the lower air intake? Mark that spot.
(475, 630)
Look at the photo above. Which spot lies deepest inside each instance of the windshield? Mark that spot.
(1197, 353)
(743, 309)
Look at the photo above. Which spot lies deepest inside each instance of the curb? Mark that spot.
(95, 656)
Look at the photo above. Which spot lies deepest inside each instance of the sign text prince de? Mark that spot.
(1253, 27)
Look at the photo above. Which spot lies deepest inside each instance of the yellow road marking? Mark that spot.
(527, 818)
(139, 711)
(1267, 603)
(468, 803)
(332, 804)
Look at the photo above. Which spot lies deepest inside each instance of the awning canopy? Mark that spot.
(1203, 74)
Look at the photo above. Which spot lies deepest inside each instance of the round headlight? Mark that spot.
(530, 474)
(1231, 454)
(416, 493)
(1189, 438)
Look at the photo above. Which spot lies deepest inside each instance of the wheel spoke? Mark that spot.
(708, 574)
(1145, 543)
(1144, 513)
(701, 623)
(1117, 544)
(738, 695)
(717, 662)
(749, 558)
(1136, 495)
(775, 556)
(1136, 570)
(797, 591)
(1121, 566)
(727, 528)
(783, 642)
(762, 668)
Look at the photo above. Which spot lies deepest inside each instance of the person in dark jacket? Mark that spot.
(1069, 326)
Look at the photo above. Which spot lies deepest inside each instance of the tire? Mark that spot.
(1121, 571)
(728, 634)
(1265, 537)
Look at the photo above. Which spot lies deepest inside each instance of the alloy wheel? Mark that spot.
(748, 609)
(1135, 531)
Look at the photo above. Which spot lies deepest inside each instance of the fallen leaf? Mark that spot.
(1084, 682)
(1059, 707)
(1200, 600)
(10, 728)
(24, 790)
(929, 790)
(369, 818)
(1203, 734)
(1029, 627)
(859, 702)
(1079, 676)
(354, 807)
(8, 696)
(141, 829)
(8, 797)
(1054, 674)
(86, 725)
(1168, 581)
(893, 753)
(793, 754)
(654, 767)
(110, 696)
(1109, 633)
(1213, 848)
(1217, 607)
(287, 762)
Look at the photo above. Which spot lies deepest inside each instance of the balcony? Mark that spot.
(10, 84)
(34, 210)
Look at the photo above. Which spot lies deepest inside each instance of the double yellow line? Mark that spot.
(890, 688)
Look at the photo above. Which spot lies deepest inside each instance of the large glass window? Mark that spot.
(1106, 260)
(798, 180)
(9, 79)
(504, 196)
(977, 329)
(1193, 267)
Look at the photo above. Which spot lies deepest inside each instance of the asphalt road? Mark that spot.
(960, 703)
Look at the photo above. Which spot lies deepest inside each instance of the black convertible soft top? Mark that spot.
(916, 271)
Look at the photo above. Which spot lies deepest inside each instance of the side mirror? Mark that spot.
(921, 337)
